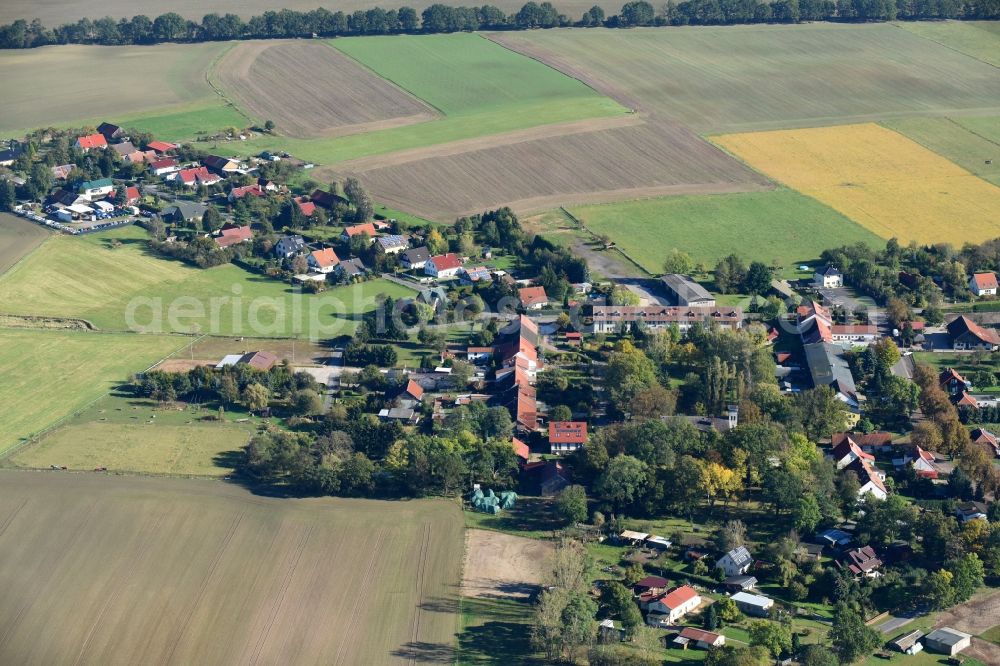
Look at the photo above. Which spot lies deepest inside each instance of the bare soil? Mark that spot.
(18, 237)
(974, 617)
(310, 89)
(106, 569)
(585, 162)
(503, 566)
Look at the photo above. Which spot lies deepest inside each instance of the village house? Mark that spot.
(870, 479)
(245, 190)
(654, 584)
(967, 511)
(85, 143)
(353, 230)
(11, 152)
(289, 246)
(739, 583)
(968, 335)
(95, 189)
(548, 477)
(230, 235)
(567, 436)
(323, 261)
(110, 132)
(987, 441)
(132, 195)
(166, 166)
(476, 275)
(736, 562)
(307, 207)
(404, 415)
(846, 451)
(533, 298)
(415, 258)
(753, 604)
(443, 266)
(828, 277)
(667, 609)
(62, 171)
(521, 450)
(124, 149)
(683, 291)
(196, 176)
(391, 244)
(829, 367)
(983, 284)
(610, 318)
(328, 200)
(351, 268)
(862, 562)
(705, 640)
(222, 166)
(922, 462)
(161, 147)
(716, 423)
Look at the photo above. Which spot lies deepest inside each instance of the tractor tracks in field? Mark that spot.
(418, 581)
(360, 598)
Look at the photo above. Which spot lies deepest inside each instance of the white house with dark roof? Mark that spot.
(736, 562)
(415, 258)
(829, 277)
(289, 246)
(391, 244)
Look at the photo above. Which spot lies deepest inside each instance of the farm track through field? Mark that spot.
(10, 517)
(418, 582)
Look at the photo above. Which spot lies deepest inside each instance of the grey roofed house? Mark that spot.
(740, 583)
(828, 367)
(289, 245)
(415, 257)
(685, 291)
(124, 148)
(351, 267)
(182, 211)
(399, 414)
(947, 640)
(392, 243)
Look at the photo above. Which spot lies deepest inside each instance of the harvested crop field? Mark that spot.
(172, 571)
(503, 566)
(17, 238)
(534, 170)
(887, 183)
(58, 85)
(310, 89)
(742, 78)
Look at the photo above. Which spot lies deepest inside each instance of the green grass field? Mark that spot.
(779, 227)
(978, 39)
(202, 449)
(127, 288)
(956, 141)
(48, 375)
(732, 78)
(480, 87)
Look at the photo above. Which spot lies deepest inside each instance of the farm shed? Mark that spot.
(947, 641)
(910, 643)
(635, 538)
(753, 604)
(700, 637)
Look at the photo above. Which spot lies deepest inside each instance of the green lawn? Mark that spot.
(128, 288)
(47, 375)
(979, 39)
(495, 631)
(953, 139)
(781, 226)
(209, 118)
(992, 635)
(963, 363)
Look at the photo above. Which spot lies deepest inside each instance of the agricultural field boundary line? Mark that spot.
(953, 122)
(462, 146)
(35, 437)
(620, 251)
(947, 46)
(215, 86)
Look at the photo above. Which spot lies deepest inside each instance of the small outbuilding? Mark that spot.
(910, 643)
(753, 604)
(701, 638)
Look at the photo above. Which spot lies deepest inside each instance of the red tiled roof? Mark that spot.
(532, 296)
(568, 432)
(444, 262)
(233, 235)
(92, 141)
(259, 360)
(326, 257)
(356, 229)
(131, 194)
(521, 449)
(161, 146)
(848, 445)
(986, 335)
(966, 399)
(948, 375)
(866, 473)
(985, 281)
(678, 596)
(852, 329)
(163, 164)
(188, 176)
(307, 207)
(693, 634)
(240, 192)
(414, 389)
(652, 582)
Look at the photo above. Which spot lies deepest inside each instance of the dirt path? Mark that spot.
(503, 566)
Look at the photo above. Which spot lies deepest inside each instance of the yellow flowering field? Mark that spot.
(878, 178)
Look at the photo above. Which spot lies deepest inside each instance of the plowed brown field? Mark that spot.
(534, 169)
(310, 89)
(99, 569)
